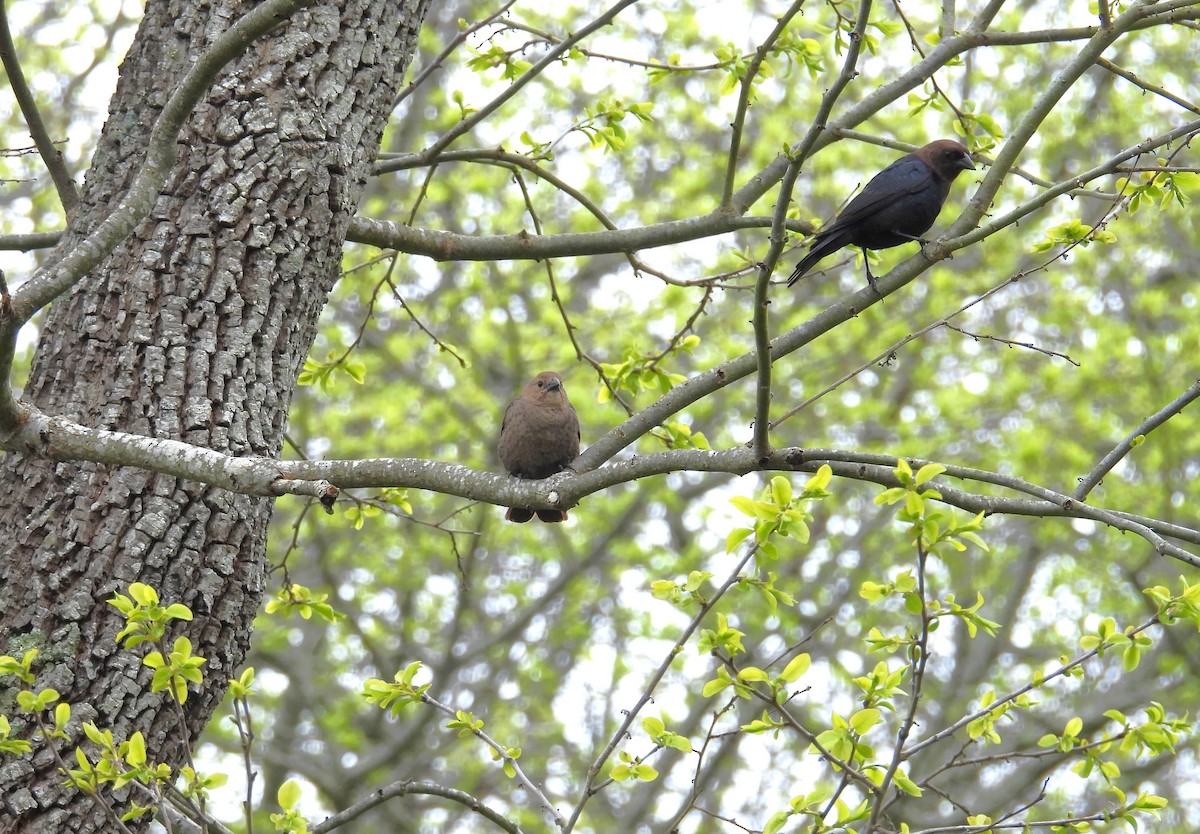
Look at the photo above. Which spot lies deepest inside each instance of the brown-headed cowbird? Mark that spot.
(898, 205)
(539, 436)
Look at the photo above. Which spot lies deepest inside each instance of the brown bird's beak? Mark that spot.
(553, 385)
(966, 164)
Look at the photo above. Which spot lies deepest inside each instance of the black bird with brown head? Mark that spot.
(898, 205)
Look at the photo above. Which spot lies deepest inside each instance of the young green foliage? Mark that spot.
(290, 820)
(298, 599)
(398, 693)
(1165, 187)
(22, 668)
(778, 512)
(934, 530)
(175, 671)
(683, 595)
(324, 375)
(146, 620)
(656, 728)
(1070, 233)
(629, 768)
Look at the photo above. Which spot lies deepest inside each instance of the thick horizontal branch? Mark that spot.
(61, 439)
(445, 246)
(29, 242)
(451, 246)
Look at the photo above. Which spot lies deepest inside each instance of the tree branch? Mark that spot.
(61, 439)
(1093, 478)
(50, 155)
(1045, 103)
(966, 237)
(763, 349)
(655, 679)
(466, 125)
(406, 788)
(452, 246)
(745, 95)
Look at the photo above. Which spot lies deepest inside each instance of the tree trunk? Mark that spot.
(193, 329)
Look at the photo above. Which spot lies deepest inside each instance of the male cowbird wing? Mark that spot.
(907, 175)
(886, 205)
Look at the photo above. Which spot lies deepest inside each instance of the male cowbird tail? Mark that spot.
(518, 515)
(821, 246)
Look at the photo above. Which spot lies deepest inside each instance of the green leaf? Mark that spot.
(781, 491)
(863, 720)
(796, 667)
(776, 822)
(289, 794)
(736, 537)
(928, 472)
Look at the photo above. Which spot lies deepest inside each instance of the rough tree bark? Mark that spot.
(194, 329)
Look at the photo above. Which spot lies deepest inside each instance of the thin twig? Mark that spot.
(458, 40)
(51, 155)
(501, 752)
(747, 90)
(551, 57)
(694, 794)
(763, 348)
(407, 308)
(1010, 342)
(1061, 671)
(1089, 482)
(420, 788)
(1147, 86)
(556, 297)
(918, 659)
(593, 772)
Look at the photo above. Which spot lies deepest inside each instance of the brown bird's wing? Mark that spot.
(507, 411)
(907, 175)
(578, 434)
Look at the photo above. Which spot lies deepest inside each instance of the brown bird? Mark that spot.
(539, 436)
(898, 205)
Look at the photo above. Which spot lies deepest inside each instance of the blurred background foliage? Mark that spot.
(548, 633)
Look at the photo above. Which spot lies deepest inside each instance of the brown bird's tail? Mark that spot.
(520, 515)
